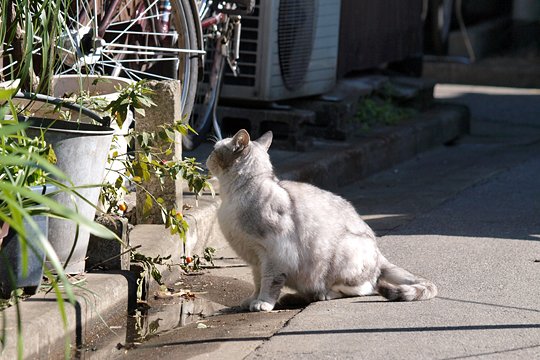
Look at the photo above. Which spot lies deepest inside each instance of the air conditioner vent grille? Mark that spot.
(288, 49)
(296, 29)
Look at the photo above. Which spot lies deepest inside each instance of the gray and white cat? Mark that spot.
(297, 235)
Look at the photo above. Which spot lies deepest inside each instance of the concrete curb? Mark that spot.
(382, 149)
(106, 298)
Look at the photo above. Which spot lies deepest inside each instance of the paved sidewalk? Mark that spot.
(465, 216)
(481, 248)
(108, 296)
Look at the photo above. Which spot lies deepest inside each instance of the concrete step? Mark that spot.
(514, 66)
(104, 296)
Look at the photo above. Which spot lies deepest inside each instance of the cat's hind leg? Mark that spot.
(329, 295)
(341, 290)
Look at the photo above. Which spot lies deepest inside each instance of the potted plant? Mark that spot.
(19, 29)
(81, 151)
(26, 161)
(18, 32)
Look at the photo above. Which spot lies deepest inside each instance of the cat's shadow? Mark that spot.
(286, 302)
(291, 301)
(372, 301)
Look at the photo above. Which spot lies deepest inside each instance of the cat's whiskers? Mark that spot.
(213, 139)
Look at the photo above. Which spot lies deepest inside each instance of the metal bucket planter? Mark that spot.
(11, 256)
(81, 151)
(99, 87)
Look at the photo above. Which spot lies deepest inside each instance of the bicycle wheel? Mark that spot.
(135, 39)
(204, 118)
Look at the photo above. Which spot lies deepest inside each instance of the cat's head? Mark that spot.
(239, 153)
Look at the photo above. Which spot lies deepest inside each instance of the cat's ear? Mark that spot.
(240, 140)
(265, 140)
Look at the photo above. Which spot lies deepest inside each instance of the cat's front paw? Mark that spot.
(259, 305)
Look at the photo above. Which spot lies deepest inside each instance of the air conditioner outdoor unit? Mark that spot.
(288, 49)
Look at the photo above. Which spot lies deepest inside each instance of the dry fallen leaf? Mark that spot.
(166, 294)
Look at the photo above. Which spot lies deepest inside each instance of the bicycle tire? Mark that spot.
(133, 48)
(203, 117)
(194, 30)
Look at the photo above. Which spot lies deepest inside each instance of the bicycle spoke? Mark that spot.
(116, 69)
(94, 17)
(77, 22)
(118, 13)
(8, 66)
(137, 60)
(142, 33)
(63, 49)
(6, 50)
(145, 74)
(73, 45)
(158, 49)
(67, 71)
(135, 21)
(126, 52)
(131, 21)
(132, 74)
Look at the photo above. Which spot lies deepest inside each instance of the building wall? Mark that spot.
(375, 32)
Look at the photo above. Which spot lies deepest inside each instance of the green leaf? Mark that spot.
(148, 204)
(57, 209)
(9, 128)
(145, 138)
(9, 89)
(51, 156)
(140, 111)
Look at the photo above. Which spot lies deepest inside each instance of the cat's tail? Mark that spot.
(397, 284)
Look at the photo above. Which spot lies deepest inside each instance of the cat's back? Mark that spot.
(257, 207)
(308, 197)
(315, 208)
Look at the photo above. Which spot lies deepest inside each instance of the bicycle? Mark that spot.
(222, 32)
(150, 39)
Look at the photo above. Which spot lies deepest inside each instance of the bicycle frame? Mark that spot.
(226, 46)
